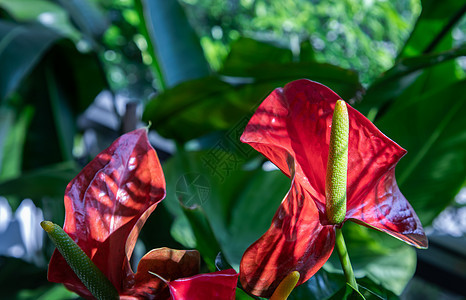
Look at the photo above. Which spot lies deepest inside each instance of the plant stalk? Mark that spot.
(344, 259)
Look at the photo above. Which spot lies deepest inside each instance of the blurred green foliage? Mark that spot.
(359, 35)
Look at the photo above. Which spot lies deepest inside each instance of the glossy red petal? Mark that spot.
(107, 204)
(219, 285)
(296, 241)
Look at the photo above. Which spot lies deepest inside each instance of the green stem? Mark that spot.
(344, 259)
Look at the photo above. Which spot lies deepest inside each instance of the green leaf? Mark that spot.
(144, 30)
(322, 285)
(21, 47)
(240, 204)
(49, 181)
(87, 17)
(13, 139)
(435, 23)
(195, 108)
(47, 13)
(63, 115)
(206, 242)
(431, 127)
(60, 87)
(372, 291)
(402, 76)
(347, 292)
(56, 291)
(325, 285)
(247, 53)
(7, 118)
(386, 261)
(177, 46)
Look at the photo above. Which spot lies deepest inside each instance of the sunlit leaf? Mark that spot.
(433, 131)
(177, 48)
(435, 23)
(195, 108)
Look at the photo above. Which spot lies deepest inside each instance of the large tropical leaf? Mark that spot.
(13, 134)
(49, 181)
(177, 48)
(386, 261)
(229, 200)
(195, 108)
(45, 12)
(431, 126)
(433, 26)
(403, 75)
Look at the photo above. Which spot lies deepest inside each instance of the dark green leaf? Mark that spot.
(435, 23)
(221, 262)
(203, 231)
(325, 285)
(177, 46)
(46, 12)
(372, 291)
(50, 181)
(63, 115)
(195, 108)
(240, 204)
(13, 139)
(393, 83)
(386, 261)
(87, 17)
(431, 127)
(322, 285)
(347, 293)
(247, 53)
(21, 47)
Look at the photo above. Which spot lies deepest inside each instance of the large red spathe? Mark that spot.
(292, 128)
(106, 205)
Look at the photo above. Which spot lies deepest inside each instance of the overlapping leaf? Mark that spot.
(220, 101)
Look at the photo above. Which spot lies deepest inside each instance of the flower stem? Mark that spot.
(344, 259)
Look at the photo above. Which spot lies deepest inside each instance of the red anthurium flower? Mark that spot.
(106, 205)
(292, 129)
(200, 287)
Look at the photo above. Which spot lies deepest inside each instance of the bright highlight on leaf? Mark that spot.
(337, 165)
(83, 267)
(285, 287)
